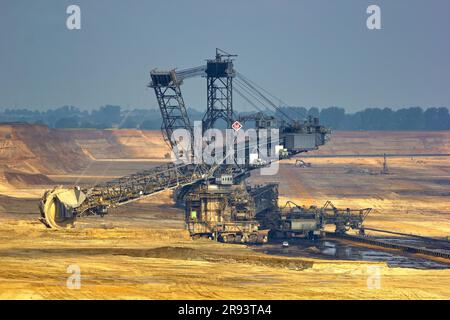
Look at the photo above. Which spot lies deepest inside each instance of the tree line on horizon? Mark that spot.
(109, 116)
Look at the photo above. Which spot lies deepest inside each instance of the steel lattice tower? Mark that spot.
(219, 75)
(171, 104)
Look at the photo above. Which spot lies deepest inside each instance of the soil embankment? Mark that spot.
(30, 155)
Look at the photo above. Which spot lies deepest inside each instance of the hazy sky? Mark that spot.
(309, 53)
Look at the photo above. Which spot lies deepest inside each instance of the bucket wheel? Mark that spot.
(57, 207)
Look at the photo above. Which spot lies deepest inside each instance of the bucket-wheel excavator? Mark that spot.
(62, 205)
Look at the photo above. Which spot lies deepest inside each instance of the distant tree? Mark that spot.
(108, 114)
(102, 125)
(150, 125)
(52, 116)
(437, 119)
(295, 113)
(413, 118)
(409, 119)
(194, 114)
(375, 119)
(130, 123)
(71, 122)
(333, 117)
(314, 112)
(352, 122)
(387, 119)
(88, 125)
(39, 122)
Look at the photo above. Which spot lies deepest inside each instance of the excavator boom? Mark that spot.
(61, 206)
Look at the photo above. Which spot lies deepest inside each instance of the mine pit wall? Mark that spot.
(380, 142)
(28, 153)
(39, 149)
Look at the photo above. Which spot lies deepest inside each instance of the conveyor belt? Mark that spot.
(60, 206)
(406, 248)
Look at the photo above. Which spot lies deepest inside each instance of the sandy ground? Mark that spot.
(141, 251)
(165, 264)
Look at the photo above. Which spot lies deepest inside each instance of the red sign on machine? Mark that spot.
(236, 126)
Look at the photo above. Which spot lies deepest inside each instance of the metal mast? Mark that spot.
(171, 104)
(219, 74)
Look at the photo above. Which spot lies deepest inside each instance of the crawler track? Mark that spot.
(441, 253)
